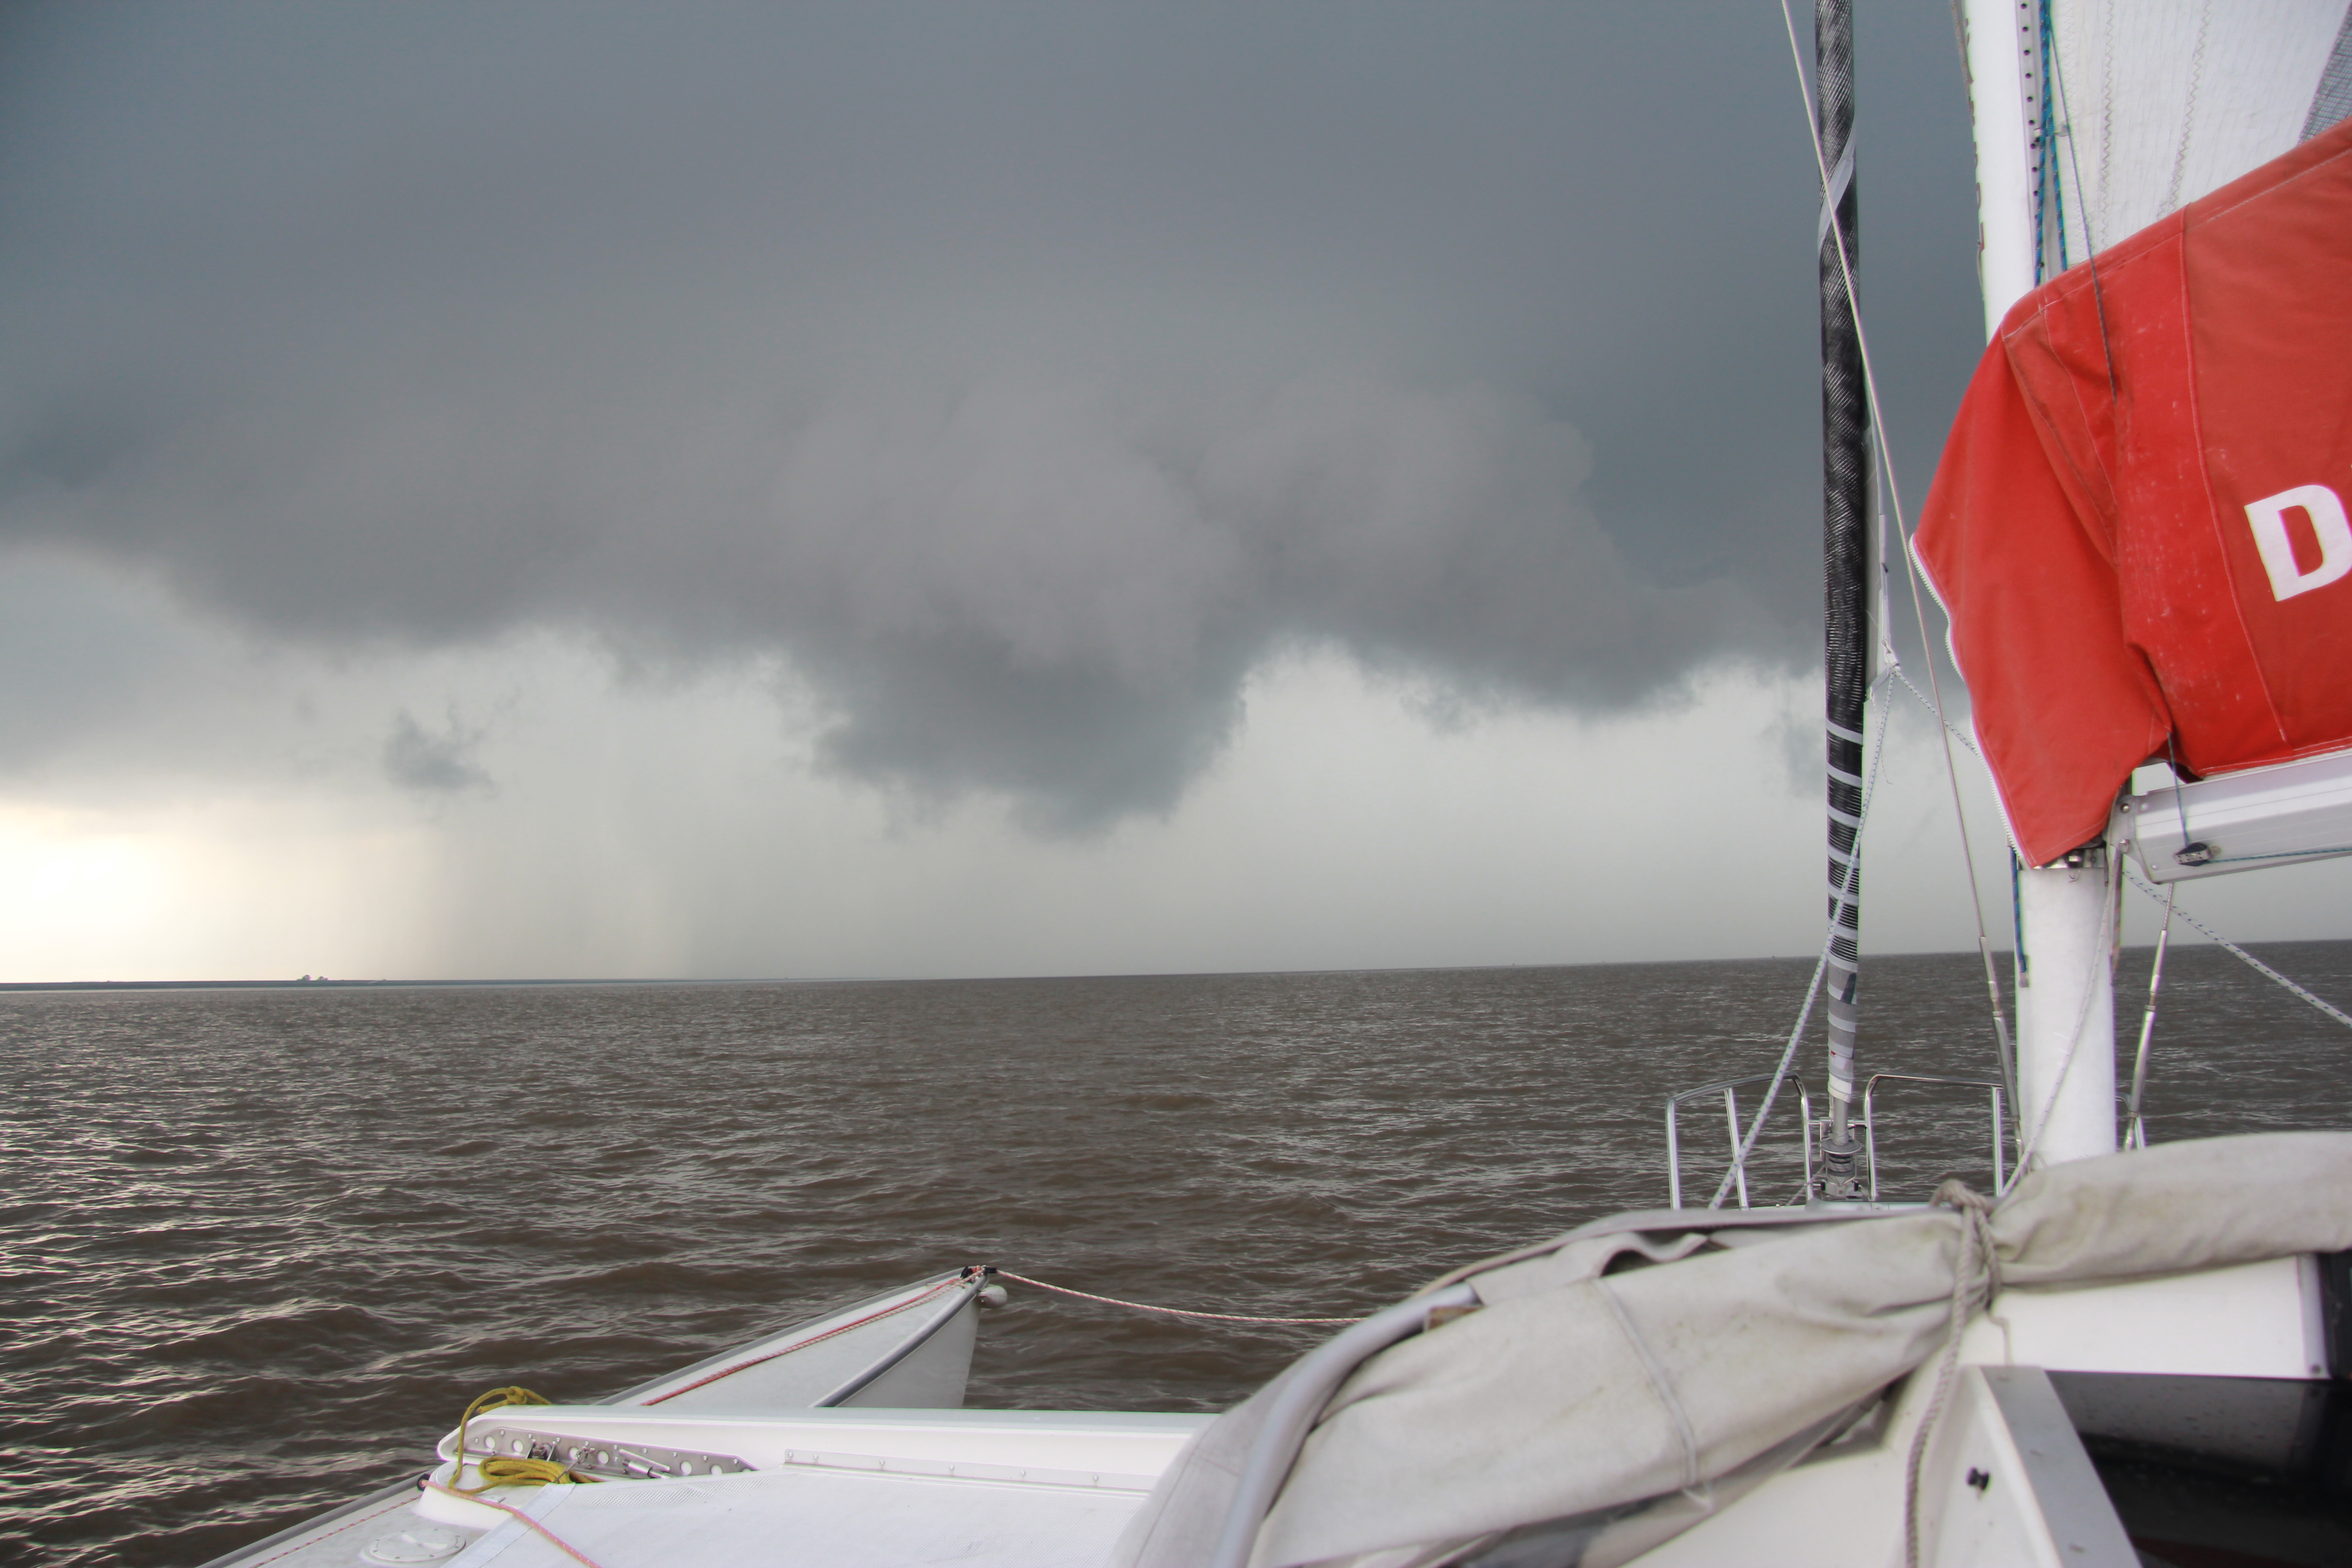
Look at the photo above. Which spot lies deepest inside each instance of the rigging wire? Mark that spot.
(1910, 569)
(2250, 960)
(2136, 1130)
(1170, 1311)
(1813, 986)
(2207, 932)
(2049, 189)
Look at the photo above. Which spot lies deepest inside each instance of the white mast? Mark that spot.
(2092, 122)
(2066, 914)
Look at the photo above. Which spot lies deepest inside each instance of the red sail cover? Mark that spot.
(2138, 526)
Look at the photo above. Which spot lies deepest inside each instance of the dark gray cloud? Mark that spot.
(433, 763)
(1024, 374)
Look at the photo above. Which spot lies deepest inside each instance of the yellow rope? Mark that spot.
(504, 1470)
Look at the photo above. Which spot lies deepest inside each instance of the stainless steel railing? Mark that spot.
(1870, 1122)
(1728, 1089)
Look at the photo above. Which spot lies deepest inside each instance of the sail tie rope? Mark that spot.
(1171, 1312)
(1975, 1281)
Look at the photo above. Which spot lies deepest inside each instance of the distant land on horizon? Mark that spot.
(315, 982)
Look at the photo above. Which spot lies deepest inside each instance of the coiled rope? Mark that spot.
(509, 1470)
(514, 1470)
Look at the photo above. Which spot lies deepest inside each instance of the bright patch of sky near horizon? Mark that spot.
(897, 489)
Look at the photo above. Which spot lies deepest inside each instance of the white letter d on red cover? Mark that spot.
(2335, 534)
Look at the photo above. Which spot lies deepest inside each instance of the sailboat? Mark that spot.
(2118, 1353)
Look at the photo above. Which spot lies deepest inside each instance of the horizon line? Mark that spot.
(308, 982)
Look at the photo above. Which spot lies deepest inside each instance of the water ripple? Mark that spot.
(260, 1247)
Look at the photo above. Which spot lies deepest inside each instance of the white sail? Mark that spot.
(2095, 118)
(2159, 102)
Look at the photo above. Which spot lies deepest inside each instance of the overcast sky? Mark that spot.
(945, 489)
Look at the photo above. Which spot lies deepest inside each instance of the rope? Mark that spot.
(1171, 1312)
(556, 1541)
(504, 1469)
(1950, 728)
(1975, 1281)
(2331, 1011)
(818, 1339)
(513, 1470)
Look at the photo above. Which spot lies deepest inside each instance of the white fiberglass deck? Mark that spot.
(846, 1487)
(849, 1488)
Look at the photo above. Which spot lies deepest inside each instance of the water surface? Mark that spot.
(259, 1246)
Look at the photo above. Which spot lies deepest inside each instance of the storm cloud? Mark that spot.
(1025, 377)
(436, 762)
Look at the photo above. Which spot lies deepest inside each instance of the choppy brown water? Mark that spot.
(259, 1246)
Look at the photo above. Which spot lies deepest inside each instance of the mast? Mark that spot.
(1845, 503)
(2167, 102)
(2068, 921)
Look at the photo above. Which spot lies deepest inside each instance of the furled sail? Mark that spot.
(2139, 524)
